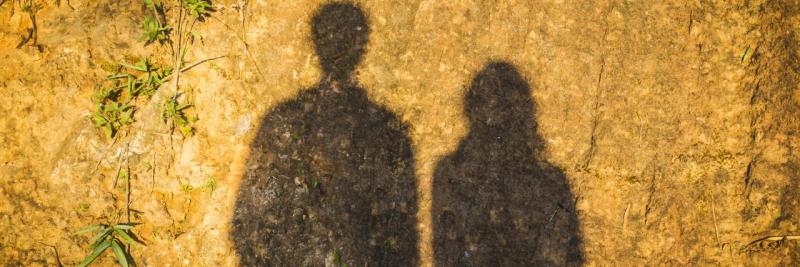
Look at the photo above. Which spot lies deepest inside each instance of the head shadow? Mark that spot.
(340, 32)
(329, 172)
(498, 103)
(496, 201)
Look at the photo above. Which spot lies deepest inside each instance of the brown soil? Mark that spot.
(469, 133)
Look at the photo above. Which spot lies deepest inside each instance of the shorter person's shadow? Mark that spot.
(496, 202)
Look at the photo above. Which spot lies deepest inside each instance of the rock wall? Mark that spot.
(675, 124)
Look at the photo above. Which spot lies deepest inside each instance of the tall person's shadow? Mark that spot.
(496, 202)
(330, 176)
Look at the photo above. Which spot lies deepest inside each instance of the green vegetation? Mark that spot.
(209, 186)
(337, 259)
(198, 8)
(147, 83)
(114, 106)
(83, 207)
(153, 31)
(152, 27)
(109, 236)
(314, 182)
(128, 85)
(174, 115)
(124, 177)
(27, 6)
(110, 117)
(187, 188)
(745, 54)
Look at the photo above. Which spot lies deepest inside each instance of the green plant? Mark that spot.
(110, 93)
(113, 104)
(745, 54)
(337, 259)
(173, 113)
(198, 8)
(109, 236)
(83, 207)
(153, 31)
(124, 176)
(110, 117)
(27, 6)
(187, 188)
(153, 5)
(209, 185)
(115, 108)
(147, 84)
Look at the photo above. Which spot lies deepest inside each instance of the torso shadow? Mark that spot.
(334, 179)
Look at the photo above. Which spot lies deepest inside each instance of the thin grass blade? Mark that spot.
(118, 76)
(97, 251)
(127, 238)
(139, 68)
(87, 229)
(96, 240)
(123, 226)
(121, 257)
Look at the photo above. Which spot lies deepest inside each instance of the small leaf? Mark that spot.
(98, 119)
(121, 257)
(745, 54)
(197, 36)
(187, 131)
(118, 76)
(109, 132)
(123, 226)
(97, 250)
(131, 87)
(87, 229)
(97, 239)
(137, 67)
(125, 237)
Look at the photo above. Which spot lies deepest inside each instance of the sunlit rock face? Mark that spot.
(431, 133)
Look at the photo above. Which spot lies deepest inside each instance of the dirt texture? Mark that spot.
(630, 133)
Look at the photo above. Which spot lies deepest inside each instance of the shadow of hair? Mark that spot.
(496, 202)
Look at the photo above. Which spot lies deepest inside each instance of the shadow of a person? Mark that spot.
(330, 176)
(495, 202)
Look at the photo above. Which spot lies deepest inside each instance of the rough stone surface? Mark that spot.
(674, 124)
